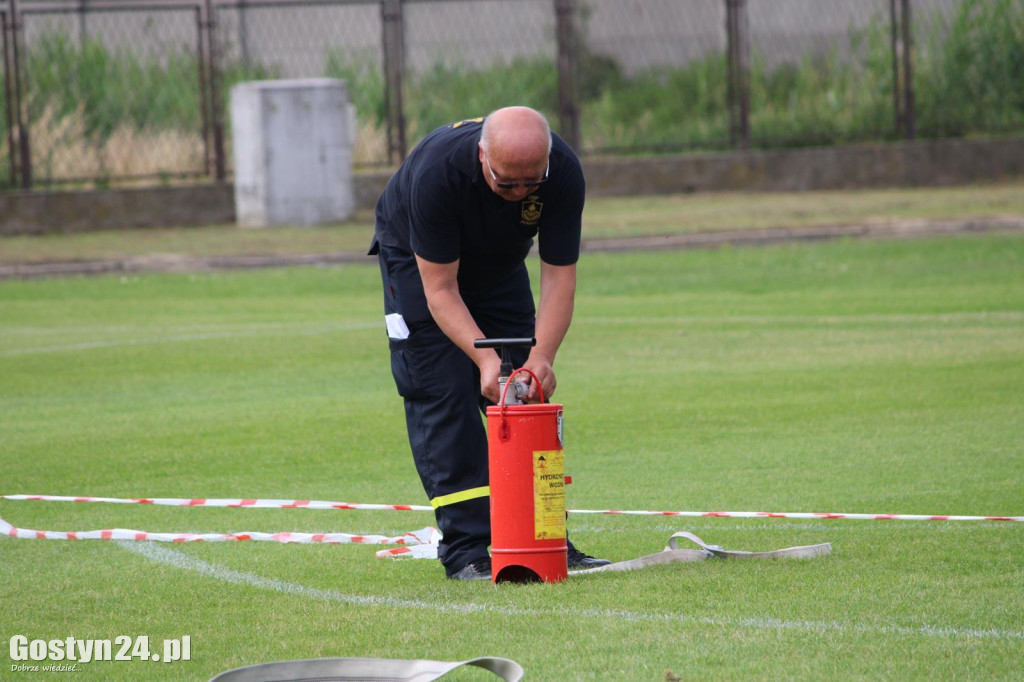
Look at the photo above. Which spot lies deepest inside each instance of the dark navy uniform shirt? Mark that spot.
(438, 206)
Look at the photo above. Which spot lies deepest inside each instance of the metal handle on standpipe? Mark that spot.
(504, 432)
(540, 389)
(519, 389)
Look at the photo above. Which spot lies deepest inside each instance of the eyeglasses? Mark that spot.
(501, 184)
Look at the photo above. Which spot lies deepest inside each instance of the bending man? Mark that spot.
(453, 229)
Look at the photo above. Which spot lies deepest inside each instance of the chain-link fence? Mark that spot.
(98, 91)
(108, 93)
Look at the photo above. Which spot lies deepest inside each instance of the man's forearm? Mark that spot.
(554, 314)
(453, 317)
(441, 289)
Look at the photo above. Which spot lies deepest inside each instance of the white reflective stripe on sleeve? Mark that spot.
(396, 327)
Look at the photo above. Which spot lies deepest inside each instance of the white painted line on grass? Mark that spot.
(161, 554)
(191, 337)
(177, 559)
(984, 316)
(197, 328)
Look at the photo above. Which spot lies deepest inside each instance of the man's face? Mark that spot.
(526, 174)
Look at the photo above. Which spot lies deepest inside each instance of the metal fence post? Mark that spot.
(902, 71)
(394, 68)
(12, 149)
(908, 73)
(897, 110)
(243, 33)
(568, 58)
(24, 147)
(83, 29)
(204, 94)
(216, 105)
(738, 66)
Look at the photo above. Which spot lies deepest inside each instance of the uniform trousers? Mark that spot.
(441, 388)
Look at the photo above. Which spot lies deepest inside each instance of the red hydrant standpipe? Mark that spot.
(527, 480)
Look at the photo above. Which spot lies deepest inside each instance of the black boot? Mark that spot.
(578, 561)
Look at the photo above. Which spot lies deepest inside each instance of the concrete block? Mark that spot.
(292, 143)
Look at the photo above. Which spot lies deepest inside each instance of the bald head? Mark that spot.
(516, 131)
(515, 142)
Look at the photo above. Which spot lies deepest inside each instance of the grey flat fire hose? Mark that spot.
(366, 670)
(674, 554)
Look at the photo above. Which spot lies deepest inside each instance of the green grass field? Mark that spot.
(850, 376)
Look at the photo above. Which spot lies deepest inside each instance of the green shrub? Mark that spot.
(446, 93)
(110, 90)
(972, 79)
(826, 98)
(364, 82)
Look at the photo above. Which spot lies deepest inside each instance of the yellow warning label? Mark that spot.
(549, 494)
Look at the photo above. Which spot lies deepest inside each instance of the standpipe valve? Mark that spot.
(517, 390)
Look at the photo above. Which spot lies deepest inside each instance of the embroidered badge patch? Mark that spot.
(531, 210)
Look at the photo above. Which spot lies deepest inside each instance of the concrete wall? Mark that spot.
(115, 209)
(900, 164)
(903, 164)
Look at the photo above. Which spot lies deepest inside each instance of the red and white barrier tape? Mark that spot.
(249, 503)
(424, 551)
(427, 537)
(253, 503)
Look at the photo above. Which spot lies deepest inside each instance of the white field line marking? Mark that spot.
(272, 328)
(132, 328)
(176, 559)
(247, 329)
(192, 337)
(1002, 315)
